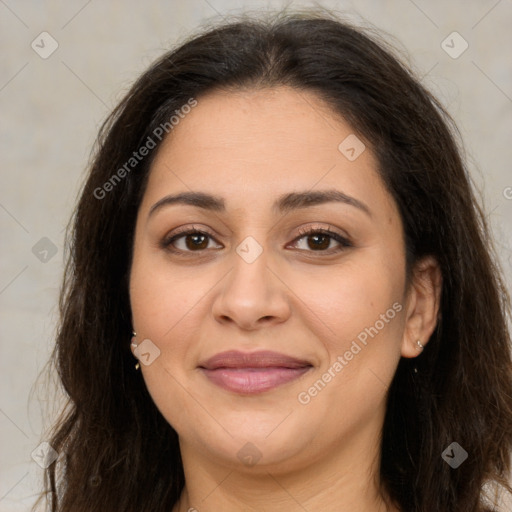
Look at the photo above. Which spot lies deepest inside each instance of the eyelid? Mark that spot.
(326, 229)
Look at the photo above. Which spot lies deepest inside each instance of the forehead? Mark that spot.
(252, 146)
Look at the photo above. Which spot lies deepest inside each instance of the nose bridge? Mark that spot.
(249, 277)
(251, 291)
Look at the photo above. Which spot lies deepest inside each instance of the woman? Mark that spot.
(278, 226)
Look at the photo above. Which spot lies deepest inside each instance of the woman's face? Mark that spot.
(331, 307)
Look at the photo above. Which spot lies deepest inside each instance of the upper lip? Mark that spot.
(261, 359)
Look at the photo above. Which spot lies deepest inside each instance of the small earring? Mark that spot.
(420, 346)
(134, 345)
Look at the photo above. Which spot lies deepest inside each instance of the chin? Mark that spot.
(254, 440)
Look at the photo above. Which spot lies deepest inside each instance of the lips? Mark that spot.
(262, 359)
(255, 372)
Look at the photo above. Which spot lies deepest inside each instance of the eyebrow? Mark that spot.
(284, 204)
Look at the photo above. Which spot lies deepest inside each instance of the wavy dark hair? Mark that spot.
(117, 451)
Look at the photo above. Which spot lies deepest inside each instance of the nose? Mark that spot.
(252, 295)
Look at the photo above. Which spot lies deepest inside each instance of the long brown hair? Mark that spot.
(117, 451)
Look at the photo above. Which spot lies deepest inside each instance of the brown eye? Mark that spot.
(319, 240)
(196, 241)
(187, 241)
(315, 240)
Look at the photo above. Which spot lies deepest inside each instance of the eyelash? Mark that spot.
(167, 243)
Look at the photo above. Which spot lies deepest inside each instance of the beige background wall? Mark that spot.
(51, 109)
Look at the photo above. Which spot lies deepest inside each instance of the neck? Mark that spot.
(345, 479)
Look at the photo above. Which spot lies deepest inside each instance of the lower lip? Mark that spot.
(253, 380)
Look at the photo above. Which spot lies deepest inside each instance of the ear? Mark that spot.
(423, 305)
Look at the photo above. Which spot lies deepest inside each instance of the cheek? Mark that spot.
(358, 319)
(363, 313)
(348, 298)
(162, 296)
(162, 302)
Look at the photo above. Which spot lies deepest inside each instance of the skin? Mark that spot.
(251, 147)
